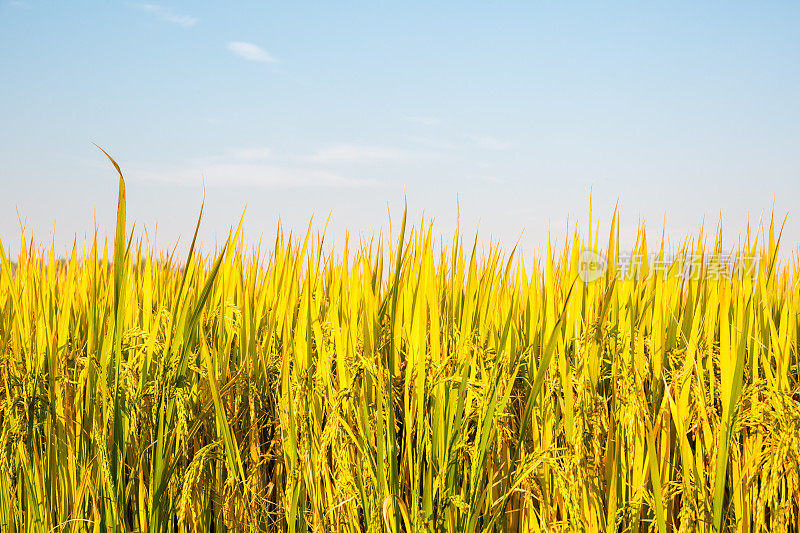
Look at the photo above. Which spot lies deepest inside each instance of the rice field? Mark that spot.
(400, 386)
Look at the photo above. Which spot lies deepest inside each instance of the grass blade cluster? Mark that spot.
(399, 387)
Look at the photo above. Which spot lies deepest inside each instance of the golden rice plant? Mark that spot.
(399, 387)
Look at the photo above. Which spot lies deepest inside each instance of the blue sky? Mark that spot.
(509, 112)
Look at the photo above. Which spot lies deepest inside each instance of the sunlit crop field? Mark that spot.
(401, 386)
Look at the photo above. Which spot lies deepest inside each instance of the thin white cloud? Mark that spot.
(250, 154)
(17, 3)
(251, 52)
(425, 121)
(356, 153)
(249, 167)
(165, 14)
(492, 180)
(434, 143)
(490, 143)
(253, 174)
